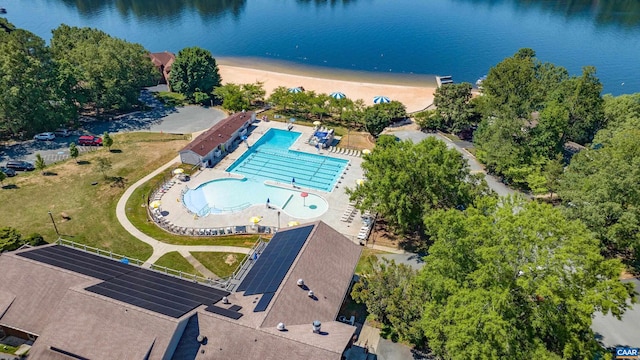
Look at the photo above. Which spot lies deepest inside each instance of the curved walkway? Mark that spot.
(160, 248)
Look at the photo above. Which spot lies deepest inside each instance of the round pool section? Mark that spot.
(270, 159)
(230, 195)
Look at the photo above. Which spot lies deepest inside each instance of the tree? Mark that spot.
(194, 70)
(73, 151)
(600, 187)
(109, 79)
(515, 280)
(233, 97)
(40, 163)
(11, 239)
(103, 165)
(405, 181)
(586, 106)
(376, 119)
(281, 97)
(3, 177)
(107, 140)
(453, 104)
(254, 92)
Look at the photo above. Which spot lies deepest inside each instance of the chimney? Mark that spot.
(300, 282)
(316, 327)
(280, 327)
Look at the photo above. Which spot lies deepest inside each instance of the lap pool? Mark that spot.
(270, 160)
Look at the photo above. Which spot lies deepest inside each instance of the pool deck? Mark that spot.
(337, 199)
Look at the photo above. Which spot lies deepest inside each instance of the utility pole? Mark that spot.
(54, 223)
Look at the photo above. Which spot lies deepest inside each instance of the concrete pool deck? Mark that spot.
(338, 201)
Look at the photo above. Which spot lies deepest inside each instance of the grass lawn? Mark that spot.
(221, 264)
(367, 256)
(90, 208)
(137, 214)
(173, 260)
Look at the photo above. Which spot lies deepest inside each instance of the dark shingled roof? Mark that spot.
(218, 134)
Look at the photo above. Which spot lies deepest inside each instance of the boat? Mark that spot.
(3, 11)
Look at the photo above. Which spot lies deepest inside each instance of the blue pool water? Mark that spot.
(270, 159)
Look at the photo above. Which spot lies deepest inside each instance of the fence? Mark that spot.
(97, 251)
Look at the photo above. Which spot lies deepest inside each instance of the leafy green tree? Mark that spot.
(40, 163)
(194, 70)
(499, 145)
(548, 136)
(586, 106)
(376, 119)
(454, 107)
(111, 77)
(103, 165)
(405, 181)
(395, 110)
(30, 98)
(73, 151)
(390, 294)
(232, 97)
(107, 140)
(431, 120)
(254, 92)
(11, 239)
(600, 187)
(515, 280)
(320, 105)
(281, 97)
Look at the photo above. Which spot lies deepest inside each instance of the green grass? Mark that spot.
(91, 208)
(216, 262)
(171, 99)
(137, 214)
(173, 260)
(7, 349)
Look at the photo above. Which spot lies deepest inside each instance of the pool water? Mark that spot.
(270, 159)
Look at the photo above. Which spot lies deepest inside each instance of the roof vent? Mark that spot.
(219, 135)
(280, 327)
(311, 293)
(300, 282)
(201, 338)
(225, 300)
(316, 326)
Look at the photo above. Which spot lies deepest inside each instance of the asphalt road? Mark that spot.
(612, 332)
(183, 120)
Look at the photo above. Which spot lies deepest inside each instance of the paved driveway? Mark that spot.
(612, 332)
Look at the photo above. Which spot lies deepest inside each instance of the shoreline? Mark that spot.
(414, 91)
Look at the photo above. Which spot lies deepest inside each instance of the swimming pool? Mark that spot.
(230, 195)
(270, 159)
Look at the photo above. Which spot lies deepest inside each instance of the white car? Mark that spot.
(45, 136)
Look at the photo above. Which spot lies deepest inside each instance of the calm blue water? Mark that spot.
(270, 159)
(462, 38)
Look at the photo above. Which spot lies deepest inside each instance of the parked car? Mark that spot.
(89, 140)
(7, 171)
(45, 136)
(62, 132)
(20, 165)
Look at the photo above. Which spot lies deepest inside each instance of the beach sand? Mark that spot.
(354, 85)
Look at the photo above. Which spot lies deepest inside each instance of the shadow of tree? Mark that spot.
(10, 187)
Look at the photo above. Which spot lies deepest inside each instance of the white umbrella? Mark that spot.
(295, 90)
(178, 171)
(338, 95)
(366, 151)
(381, 100)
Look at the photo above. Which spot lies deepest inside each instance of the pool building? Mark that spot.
(208, 148)
(285, 304)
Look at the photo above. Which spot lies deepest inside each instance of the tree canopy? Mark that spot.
(194, 72)
(406, 181)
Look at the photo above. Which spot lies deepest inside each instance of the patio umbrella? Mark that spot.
(360, 182)
(366, 151)
(317, 123)
(293, 223)
(155, 204)
(338, 95)
(178, 171)
(243, 138)
(304, 196)
(381, 100)
(295, 90)
(255, 219)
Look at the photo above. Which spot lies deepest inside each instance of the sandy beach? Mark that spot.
(415, 98)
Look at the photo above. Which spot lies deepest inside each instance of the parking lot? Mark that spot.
(51, 151)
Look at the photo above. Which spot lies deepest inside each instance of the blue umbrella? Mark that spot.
(381, 100)
(244, 138)
(295, 90)
(338, 95)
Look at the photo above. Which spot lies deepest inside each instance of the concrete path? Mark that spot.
(160, 248)
(198, 265)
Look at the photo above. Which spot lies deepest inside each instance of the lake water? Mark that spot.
(462, 38)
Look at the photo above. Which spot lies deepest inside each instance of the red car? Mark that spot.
(90, 140)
